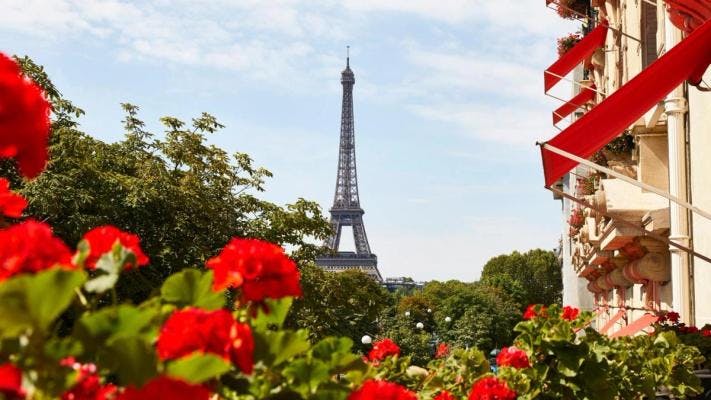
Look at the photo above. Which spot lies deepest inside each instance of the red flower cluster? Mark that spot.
(570, 313)
(88, 383)
(512, 357)
(688, 329)
(706, 332)
(672, 316)
(30, 247)
(445, 395)
(24, 120)
(442, 350)
(491, 388)
(11, 382)
(11, 204)
(531, 312)
(382, 390)
(102, 239)
(260, 268)
(164, 388)
(192, 329)
(383, 348)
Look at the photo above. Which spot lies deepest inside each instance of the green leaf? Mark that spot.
(336, 352)
(198, 367)
(133, 359)
(112, 323)
(191, 287)
(277, 310)
(101, 283)
(35, 301)
(306, 375)
(275, 347)
(111, 264)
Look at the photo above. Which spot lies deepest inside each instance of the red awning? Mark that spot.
(636, 326)
(582, 50)
(688, 15)
(586, 94)
(612, 321)
(611, 117)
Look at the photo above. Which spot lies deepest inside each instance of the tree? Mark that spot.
(183, 197)
(338, 304)
(537, 272)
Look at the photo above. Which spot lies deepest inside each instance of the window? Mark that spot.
(649, 33)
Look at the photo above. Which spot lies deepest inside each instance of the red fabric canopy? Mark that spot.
(688, 15)
(582, 50)
(636, 326)
(586, 94)
(612, 321)
(608, 119)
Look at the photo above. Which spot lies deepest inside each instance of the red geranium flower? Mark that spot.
(442, 350)
(164, 388)
(11, 381)
(531, 313)
(88, 383)
(102, 239)
(11, 204)
(444, 395)
(672, 316)
(24, 120)
(261, 269)
(491, 388)
(706, 332)
(382, 390)
(512, 357)
(31, 247)
(570, 313)
(192, 329)
(383, 348)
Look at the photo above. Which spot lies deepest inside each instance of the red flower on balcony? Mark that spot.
(442, 350)
(383, 348)
(382, 390)
(164, 388)
(261, 269)
(570, 313)
(672, 316)
(11, 203)
(11, 382)
(102, 239)
(194, 330)
(512, 357)
(30, 247)
(24, 120)
(491, 388)
(531, 312)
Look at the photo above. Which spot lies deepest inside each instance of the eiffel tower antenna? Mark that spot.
(346, 210)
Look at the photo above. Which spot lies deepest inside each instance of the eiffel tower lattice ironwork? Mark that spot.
(346, 210)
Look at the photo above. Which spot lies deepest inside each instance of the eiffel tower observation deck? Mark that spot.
(346, 209)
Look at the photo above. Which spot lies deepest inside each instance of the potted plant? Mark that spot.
(573, 9)
(567, 42)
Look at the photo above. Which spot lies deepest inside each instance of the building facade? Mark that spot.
(632, 247)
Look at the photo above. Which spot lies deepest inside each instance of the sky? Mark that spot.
(448, 104)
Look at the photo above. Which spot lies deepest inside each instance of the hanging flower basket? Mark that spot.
(567, 42)
(573, 9)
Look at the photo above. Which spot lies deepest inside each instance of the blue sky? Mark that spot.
(448, 104)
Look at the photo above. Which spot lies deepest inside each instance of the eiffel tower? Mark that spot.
(346, 210)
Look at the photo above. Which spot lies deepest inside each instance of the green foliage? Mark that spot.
(587, 365)
(344, 304)
(198, 368)
(191, 287)
(33, 302)
(537, 272)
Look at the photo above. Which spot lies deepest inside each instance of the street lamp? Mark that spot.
(407, 313)
(419, 325)
(366, 340)
(447, 319)
(429, 310)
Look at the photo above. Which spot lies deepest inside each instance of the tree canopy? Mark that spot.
(184, 197)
